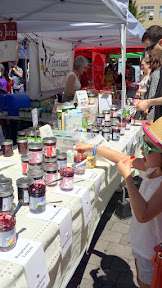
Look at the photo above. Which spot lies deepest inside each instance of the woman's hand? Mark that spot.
(83, 147)
(124, 167)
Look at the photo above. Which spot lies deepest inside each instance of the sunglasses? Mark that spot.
(147, 148)
(149, 48)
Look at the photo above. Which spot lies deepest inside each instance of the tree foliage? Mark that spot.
(134, 10)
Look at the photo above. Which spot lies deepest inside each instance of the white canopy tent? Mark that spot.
(83, 22)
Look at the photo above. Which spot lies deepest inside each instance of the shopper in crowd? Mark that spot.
(109, 76)
(16, 77)
(2, 69)
(145, 67)
(152, 40)
(129, 73)
(72, 80)
(145, 230)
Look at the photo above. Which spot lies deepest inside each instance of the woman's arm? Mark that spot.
(20, 74)
(70, 85)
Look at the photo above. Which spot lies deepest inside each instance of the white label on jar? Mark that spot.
(50, 177)
(8, 238)
(7, 203)
(35, 157)
(61, 164)
(100, 122)
(37, 204)
(67, 183)
(106, 135)
(26, 196)
(107, 117)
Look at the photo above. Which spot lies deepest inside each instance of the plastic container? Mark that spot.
(37, 198)
(22, 145)
(49, 148)
(61, 160)
(7, 232)
(7, 147)
(35, 152)
(50, 174)
(23, 189)
(91, 163)
(106, 131)
(78, 159)
(67, 181)
(37, 175)
(6, 198)
(100, 120)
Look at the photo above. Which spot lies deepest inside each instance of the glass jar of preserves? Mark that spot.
(127, 123)
(49, 147)
(113, 111)
(78, 159)
(133, 116)
(23, 189)
(31, 134)
(21, 133)
(7, 232)
(107, 115)
(37, 198)
(6, 198)
(121, 125)
(100, 120)
(67, 181)
(7, 147)
(22, 145)
(5, 181)
(95, 131)
(50, 174)
(52, 160)
(115, 131)
(61, 160)
(89, 127)
(106, 133)
(25, 163)
(35, 152)
(37, 175)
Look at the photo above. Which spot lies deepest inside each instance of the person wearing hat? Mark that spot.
(146, 226)
(16, 76)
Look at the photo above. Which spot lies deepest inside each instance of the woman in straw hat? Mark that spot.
(146, 226)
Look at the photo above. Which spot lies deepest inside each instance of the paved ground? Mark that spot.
(109, 262)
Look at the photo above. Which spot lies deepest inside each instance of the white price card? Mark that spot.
(62, 217)
(81, 97)
(35, 117)
(46, 131)
(83, 194)
(30, 254)
(104, 101)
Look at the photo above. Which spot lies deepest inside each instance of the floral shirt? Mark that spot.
(16, 82)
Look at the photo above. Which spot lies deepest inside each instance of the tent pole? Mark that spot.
(26, 78)
(123, 50)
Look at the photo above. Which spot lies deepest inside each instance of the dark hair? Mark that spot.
(153, 33)
(154, 64)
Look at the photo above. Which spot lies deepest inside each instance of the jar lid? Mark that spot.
(108, 124)
(95, 129)
(100, 116)
(35, 145)
(50, 159)
(61, 156)
(35, 173)
(106, 129)
(21, 133)
(5, 181)
(7, 142)
(22, 140)
(25, 157)
(31, 133)
(6, 190)
(49, 140)
(106, 111)
(113, 107)
(67, 171)
(50, 167)
(24, 182)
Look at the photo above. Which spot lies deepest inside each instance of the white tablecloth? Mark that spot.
(12, 275)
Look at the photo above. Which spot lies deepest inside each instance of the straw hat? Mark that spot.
(154, 132)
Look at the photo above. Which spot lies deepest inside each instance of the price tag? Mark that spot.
(35, 117)
(46, 131)
(81, 97)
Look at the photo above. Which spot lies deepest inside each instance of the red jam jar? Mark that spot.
(37, 198)
(35, 152)
(67, 181)
(61, 160)
(121, 125)
(7, 147)
(6, 198)
(127, 123)
(49, 146)
(107, 115)
(7, 232)
(50, 174)
(78, 159)
(115, 131)
(106, 133)
(25, 163)
(113, 111)
(133, 119)
(37, 175)
(22, 145)
(23, 189)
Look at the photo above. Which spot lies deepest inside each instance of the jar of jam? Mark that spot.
(25, 163)
(5, 181)
(37, 198)
(91, 99)
(50, 174)
(7, 232)
(95, 131)
(21, 133)
(7, 147)
(133, 119)
(127, 123)
(23, 189)
(31, 134)
(35, 152)
(34, 166)
(49, 148)
(52, 160)
(37, 175)
(78, 159)
(22, 145)
(106, 133)
(89, 127)
(107, 115)
(121, 125)
(113, 111)
(115, 132)
(61, 160)
(100, 120)
(6, 198)
(67, 181)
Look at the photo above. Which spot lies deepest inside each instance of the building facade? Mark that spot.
(153, 9)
